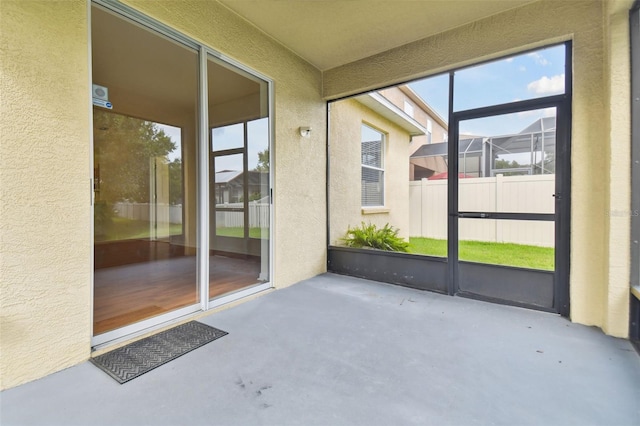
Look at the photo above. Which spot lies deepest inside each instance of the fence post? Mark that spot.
(424, 219)
(499, 206)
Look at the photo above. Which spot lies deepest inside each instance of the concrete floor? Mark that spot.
(336, 350)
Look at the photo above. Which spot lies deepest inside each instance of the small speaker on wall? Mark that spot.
(100, 92)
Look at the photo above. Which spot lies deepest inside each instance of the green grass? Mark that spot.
(239, 232)
(519, 255)
(126, 229)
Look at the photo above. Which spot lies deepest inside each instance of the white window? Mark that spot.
(372, 153)
(408, 108)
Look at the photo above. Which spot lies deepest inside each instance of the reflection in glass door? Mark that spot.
(144, 175)
(239, 185)
(181, 176)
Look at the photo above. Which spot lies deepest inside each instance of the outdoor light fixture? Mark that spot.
(305, 132)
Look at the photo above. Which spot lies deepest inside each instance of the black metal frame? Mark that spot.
(634, 30)
(562, 195)
(408, 270)
(338, 257)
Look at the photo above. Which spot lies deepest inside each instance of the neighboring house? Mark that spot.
(480, 156)
(436, 129)
(372, 136)
(230, 186)
(268, 68)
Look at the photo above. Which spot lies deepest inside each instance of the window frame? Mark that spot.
(383, 144)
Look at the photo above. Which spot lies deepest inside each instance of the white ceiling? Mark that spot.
(330, 33)
(147, 73)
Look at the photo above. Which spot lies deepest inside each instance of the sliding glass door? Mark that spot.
(239, 188)
(182, 188)
(145, 107)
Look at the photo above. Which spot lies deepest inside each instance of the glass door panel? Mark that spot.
(501, 81)
(229, 201)
(506, 207)
(258, 154)
(144, 173)
(519, 243)
(239, 196)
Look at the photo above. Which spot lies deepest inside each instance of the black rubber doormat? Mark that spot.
(135, 359)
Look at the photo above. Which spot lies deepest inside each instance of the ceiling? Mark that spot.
(151, 77)
(330, 33)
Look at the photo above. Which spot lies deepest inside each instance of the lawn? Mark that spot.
(238, 232)
(484, 252)
(121, 228)
(126, 229)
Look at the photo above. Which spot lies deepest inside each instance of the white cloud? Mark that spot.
(509, 60)
(547, 85)
(540, 60)
(522, 68)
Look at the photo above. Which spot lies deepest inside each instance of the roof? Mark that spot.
(391, 112)
(226, 176)
(542, 124)
(466, 145)
(541, 131)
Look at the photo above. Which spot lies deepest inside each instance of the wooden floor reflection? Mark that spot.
(127, 294)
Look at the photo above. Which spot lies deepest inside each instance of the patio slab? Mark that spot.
(336, 350)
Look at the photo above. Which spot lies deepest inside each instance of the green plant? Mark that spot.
(385, 238)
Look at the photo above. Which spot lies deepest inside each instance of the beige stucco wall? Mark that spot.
(597, 290)
(398, 97)
(45, 223)
(619, 182)
(347, 117)
(45, 215)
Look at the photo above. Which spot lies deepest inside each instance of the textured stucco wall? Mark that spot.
(534, 25)
(619, 182)
(398, 98)
(45, 214)
(300, 215)
(347, 117)
(45, 222)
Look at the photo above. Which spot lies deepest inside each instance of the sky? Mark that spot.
(526, 76)
(530, 75)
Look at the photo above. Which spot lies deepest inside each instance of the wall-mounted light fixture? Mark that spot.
(305, 132)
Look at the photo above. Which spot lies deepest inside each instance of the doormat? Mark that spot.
(135, 359)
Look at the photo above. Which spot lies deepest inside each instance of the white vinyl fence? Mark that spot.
(144, 211)
(258, 213)
(506, 194)
(258, 216)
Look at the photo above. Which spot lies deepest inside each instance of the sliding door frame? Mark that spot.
(202, 181)
(634, 33)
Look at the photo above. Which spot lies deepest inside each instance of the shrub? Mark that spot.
(385, 238)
